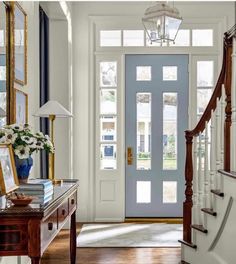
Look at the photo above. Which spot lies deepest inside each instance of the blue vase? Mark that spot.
(23, 167)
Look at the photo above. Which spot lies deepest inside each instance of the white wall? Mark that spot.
(60, 84)
(59, 92)
(83, 77)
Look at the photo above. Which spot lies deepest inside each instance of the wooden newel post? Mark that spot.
(188, 203)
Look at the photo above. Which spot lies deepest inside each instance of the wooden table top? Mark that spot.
(60, 192)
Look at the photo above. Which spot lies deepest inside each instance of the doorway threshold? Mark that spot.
(170, 220)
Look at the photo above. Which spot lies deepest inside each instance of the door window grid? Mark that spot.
(143, 192)
(169, 192)
(108, 115)
(143, 131)
(170, 152)
(169, 73)
(143, 73)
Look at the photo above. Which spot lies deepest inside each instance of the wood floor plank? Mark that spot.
(58, 253)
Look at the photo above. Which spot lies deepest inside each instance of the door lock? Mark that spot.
(129, 156)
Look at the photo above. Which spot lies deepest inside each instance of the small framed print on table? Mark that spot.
(8, 175)
(21, 107)
(19, 45)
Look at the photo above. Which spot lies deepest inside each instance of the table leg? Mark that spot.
(73, 238)
(35, 260)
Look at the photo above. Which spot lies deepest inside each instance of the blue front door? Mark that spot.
(156, 118)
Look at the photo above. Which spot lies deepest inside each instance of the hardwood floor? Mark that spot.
(58, 253)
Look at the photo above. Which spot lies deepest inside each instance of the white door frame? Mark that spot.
(98, 211)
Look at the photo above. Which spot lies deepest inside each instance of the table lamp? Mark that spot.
(52, 110)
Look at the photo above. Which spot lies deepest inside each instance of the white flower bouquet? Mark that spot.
(24, 141)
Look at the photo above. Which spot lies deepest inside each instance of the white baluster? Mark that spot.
(213, 154)
(200, 179)
(217, 144)
(196, 207)
(222, 105)
(233, 103)
(206, 170)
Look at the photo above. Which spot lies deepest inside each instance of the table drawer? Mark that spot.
(72, 201)
(48, 229)
(63, 212)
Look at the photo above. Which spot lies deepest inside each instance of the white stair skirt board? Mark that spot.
(130, 235)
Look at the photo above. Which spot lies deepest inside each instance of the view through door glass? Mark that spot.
(156, 118)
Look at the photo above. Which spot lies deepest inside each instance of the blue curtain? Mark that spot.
(44, 82)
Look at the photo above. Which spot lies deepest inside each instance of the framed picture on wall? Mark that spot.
(19, 47)
(21, 107)
(8, 176)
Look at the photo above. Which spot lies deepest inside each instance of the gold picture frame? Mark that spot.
(19, 43)
(8, 175)
(20, 107)
(5, 83)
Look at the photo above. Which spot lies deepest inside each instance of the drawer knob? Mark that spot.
(63, 212)
(73, 201)
(50, 226)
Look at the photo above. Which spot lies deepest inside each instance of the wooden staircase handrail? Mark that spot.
(216, 94)
(224, 78)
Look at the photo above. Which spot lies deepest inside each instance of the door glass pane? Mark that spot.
(169, 131)
(169, 73)
(169, 192)
(203, 98)
(205, 73)
(108, 101)
(108, 156)
(108, 74)
(108, 128)
(133, 38)
(110, 38)
(143, 191)
(143, 135)
(143, 73)
(202, 37)
(182, 38)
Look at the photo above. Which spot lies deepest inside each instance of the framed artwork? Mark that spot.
(5, 88)
(21, 107)
(19, 45)
(8, 176)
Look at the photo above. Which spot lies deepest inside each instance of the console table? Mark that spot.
(29, 230)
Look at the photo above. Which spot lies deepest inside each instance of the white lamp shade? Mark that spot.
(52, 108)
(2, 112)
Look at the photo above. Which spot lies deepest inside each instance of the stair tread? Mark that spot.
(209, 211)
(231, 174)
(200, 228)
(218, 192)
(188, 244)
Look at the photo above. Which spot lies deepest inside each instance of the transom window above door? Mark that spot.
(138, 38)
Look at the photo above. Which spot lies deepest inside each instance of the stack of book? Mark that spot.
(40, 189)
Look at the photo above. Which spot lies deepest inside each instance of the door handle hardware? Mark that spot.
(129, 156)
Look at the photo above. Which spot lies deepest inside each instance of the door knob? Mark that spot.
(129, 155)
